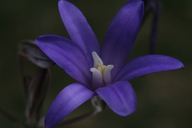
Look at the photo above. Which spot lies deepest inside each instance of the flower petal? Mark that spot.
(121, 34)
(79, 29)
(148, 64)
(67, 55)
(120, 97)
(66, 101)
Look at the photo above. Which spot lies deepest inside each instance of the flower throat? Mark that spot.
(101, 74)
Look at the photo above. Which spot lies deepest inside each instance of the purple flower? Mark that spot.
(101, 72)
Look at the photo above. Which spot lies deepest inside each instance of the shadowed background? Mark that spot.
(164, 99)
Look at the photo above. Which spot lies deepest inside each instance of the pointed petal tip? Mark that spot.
(182, 66)
(38, 40)
(59, 1)
(126, 114)
(147, 64)
(42, 37)
(179, 64)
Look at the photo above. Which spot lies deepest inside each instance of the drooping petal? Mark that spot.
(67, 55)
(79, 29)
(66, 101)
(121, 34)
(148, 64)
(120, 97)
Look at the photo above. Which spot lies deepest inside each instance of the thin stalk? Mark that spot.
(77, 119)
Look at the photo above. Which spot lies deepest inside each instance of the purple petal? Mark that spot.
(66, 101)
(121, 34)
(79, 29)
(120, 97)
(148, 64)
(67, 55)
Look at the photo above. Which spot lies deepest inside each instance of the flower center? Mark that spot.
(101, 74)
(101, 67)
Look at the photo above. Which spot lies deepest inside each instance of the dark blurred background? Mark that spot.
(164, 99)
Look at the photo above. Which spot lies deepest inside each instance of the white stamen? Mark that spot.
(96, 59)
(100, 72)
(107, 74)
(97, 79)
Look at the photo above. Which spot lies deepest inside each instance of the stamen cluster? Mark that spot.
(101, 74)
